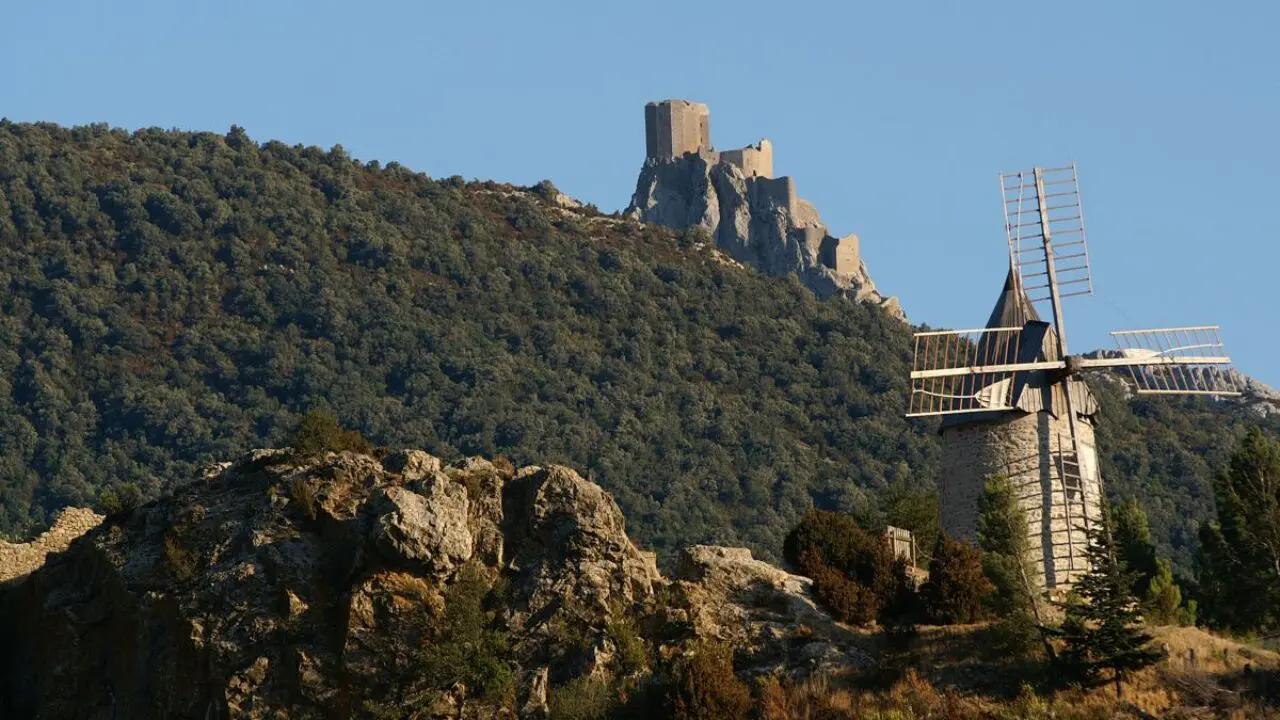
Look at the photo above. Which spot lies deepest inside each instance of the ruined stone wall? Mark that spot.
(1026, 449)
(19, 560)
(675, 127)
(842, 254)
(753, 160)
(768, 193)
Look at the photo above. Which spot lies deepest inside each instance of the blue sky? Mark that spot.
(894, 118)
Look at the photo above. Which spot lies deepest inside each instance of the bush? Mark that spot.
(466, 648)
(957, 590)
(583, 698)
(854, 572)
(319, 432)
(705, 687)
(120, 499)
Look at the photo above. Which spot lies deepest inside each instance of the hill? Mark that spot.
(173, 298)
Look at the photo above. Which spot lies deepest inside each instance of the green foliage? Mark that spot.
(854, 572)
(120, 499)
(957, 590)
(1103, 630)
(319, 432)
(706, 688)
(173, 299)
(1002, 535)
(583, 698)
(1239, 557)
(467, 648)
(1162, 601)
(632, 653)
(1133, 543)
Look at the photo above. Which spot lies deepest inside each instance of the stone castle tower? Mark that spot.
(1030, 445)
(756, 218)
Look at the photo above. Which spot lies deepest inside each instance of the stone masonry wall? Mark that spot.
(1025, 448)
(753, 160)
(675, 127)
(19, 560)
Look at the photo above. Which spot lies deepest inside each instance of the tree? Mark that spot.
(1103, 629)
(1002, 535)
(1162, 601)
(957, 588)
(1239, 559)
(1133, 543)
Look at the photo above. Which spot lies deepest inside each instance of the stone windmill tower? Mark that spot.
(1009, 395)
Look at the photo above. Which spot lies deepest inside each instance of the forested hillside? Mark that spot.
(173, 298)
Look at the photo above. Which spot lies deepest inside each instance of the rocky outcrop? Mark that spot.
(767, 613)
(330, 587)
(758, 221)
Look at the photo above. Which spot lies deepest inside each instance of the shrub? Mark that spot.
(304, 493)
(120, 499)
(855, 573)
(467, 648)
(957, 589)
(182, 560)
(705, 687)
(319, 432)
(583, 698)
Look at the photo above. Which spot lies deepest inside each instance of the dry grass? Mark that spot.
(948, 678)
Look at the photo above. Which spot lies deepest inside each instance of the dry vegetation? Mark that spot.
(947, 675)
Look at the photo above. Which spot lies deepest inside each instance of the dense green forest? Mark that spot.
(175, 298)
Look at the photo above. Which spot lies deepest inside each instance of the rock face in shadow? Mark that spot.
(759, 221)
(320, 587)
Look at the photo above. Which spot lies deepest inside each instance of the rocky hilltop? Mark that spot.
(756, 218)
(351, 585)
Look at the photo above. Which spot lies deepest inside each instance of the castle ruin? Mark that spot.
(757, 218)
(674, 128)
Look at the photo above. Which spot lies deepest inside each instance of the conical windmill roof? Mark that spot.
(1013, 308)
(1033, 391)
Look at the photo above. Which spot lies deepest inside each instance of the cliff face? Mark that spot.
(759, 221)
(348, 585)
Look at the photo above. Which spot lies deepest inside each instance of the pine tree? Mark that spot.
(1239, 558)
(1002, 535)
(1103, 630)
(1133, 543)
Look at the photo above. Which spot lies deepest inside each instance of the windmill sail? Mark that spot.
(1044, 221)
(1173, 361)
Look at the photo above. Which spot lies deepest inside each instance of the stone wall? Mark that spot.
(675, 127)
(1025, 448)
(768, 193)
(841, 254)
(19, 560)
(753, 160)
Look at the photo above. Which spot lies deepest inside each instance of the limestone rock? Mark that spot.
(770, 614)
(428, 528)
(414, 465)
(758, 220)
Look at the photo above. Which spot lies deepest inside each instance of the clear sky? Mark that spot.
(895, 118)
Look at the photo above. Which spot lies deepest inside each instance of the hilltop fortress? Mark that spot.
(757, 218)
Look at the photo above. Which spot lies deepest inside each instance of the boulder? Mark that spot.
(413, 465)
(428, 529)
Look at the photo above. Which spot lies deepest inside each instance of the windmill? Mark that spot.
(1010, 396)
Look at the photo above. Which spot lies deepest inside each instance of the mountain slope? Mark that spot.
(172, 298)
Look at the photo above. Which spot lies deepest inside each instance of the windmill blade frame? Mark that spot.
(1173, 361)
(1044, 221)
